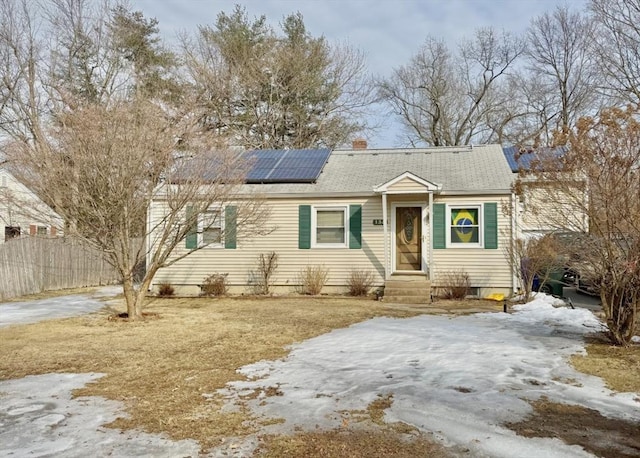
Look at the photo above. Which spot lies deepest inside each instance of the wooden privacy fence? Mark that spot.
(34, 264)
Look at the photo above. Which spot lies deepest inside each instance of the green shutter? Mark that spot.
(191, 240)
(304, 227)
(491, 225)
(439, 227)
(230, 226)
(355, 227)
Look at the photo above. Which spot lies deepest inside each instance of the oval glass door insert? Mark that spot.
(408, 228)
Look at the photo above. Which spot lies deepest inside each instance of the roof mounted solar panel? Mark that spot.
(287, 166)
(263, 161)
(526, 159)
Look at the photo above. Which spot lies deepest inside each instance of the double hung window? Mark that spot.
(330, 227)
(464, 226)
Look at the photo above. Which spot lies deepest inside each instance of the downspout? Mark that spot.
(430, 248)
(149, 238)
(385, 229)
(515, 233)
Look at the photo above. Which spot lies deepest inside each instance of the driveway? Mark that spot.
(582, 300)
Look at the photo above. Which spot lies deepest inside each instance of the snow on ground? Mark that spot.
(460, 378)
(54, 307)
(39, 418)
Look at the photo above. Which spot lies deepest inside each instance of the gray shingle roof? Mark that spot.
(460, 170)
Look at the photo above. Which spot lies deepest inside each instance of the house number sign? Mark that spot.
(377, 222)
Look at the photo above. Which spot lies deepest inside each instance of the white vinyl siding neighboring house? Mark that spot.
(412, 211)
(23, 213)
(541, 207)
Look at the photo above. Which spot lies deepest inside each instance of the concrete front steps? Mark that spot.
(408, 289)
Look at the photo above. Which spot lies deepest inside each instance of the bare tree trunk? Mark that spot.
(134, 309)
(620, 307)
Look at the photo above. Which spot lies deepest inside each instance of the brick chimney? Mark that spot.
(359, 143)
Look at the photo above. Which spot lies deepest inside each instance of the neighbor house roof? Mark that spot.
(522, 158)
(26, 204)
(459, 170)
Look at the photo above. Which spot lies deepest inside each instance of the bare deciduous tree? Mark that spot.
(618, 46)
(447, 99)
(89, 128)
(524, 117)
(82, 66)
(104, 165)
(560, 53)
(603, 156)
(58, 55)
(22, 61)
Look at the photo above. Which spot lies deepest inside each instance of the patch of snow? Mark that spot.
(55, 307)
(39, 418)
(459, 378)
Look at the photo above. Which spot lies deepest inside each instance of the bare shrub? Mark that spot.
(215, 285)
(165, 290)
(360, 282)
(455, 284)
(312, 279)
(267, 265)
(536, 258)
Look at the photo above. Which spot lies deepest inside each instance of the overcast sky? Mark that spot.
(389, 32)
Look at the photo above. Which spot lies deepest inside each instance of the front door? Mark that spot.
(408, 238)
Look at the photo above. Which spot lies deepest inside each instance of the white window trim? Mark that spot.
(201, 228)
(480, 243)
(314, 227)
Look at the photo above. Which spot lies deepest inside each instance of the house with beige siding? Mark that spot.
(23, 213)
(411, 217)
(542, 207)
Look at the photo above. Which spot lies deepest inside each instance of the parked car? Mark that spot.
(555, 281)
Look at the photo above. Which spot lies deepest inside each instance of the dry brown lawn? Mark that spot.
(575, 425)
(618, 366)
(50, 294)
(166, 368)
(163, 367)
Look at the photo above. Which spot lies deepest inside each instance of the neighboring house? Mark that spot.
(542, 207)
(23, 213)
(409, 216)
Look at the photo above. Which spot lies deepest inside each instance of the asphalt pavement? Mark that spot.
(582, 300)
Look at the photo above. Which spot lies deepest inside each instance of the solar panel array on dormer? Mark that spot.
(286, 166)
(526, 158)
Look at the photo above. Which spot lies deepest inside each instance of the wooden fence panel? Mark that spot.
(34, 264)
